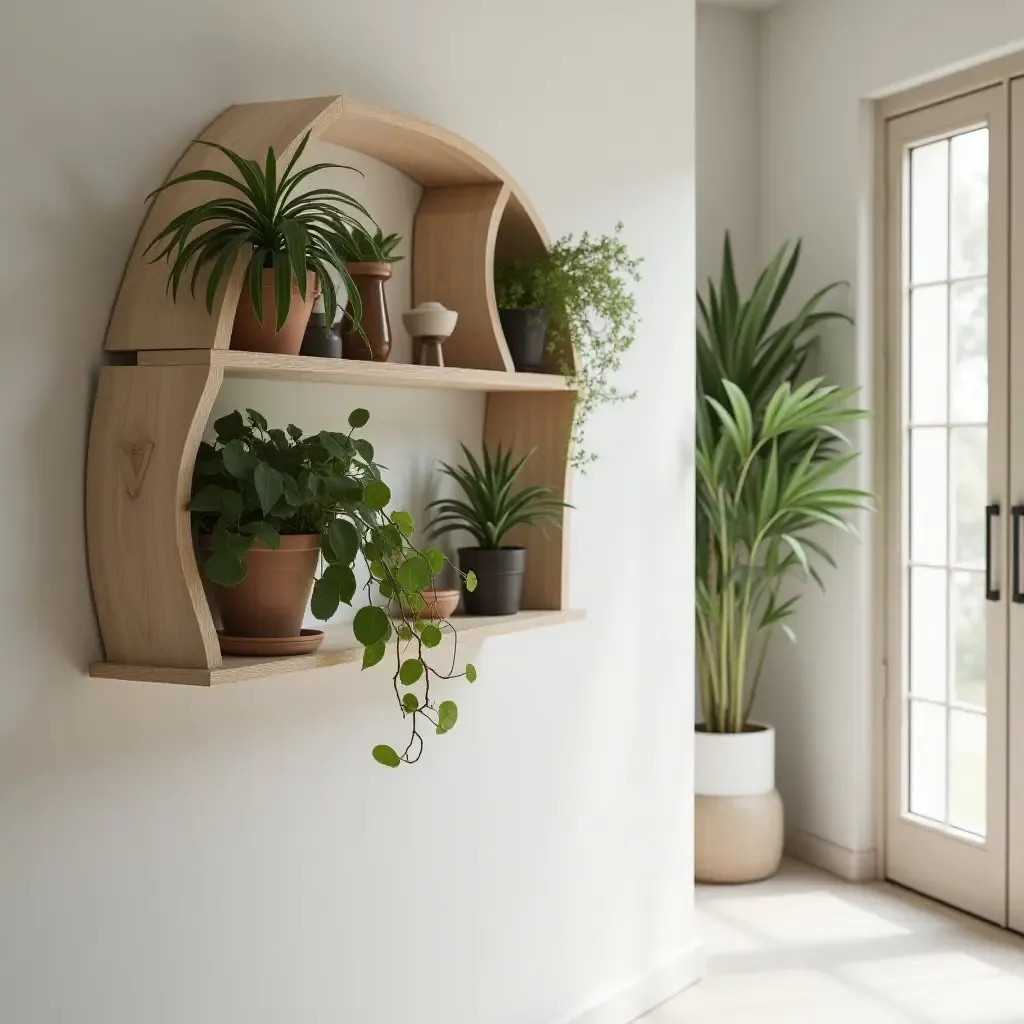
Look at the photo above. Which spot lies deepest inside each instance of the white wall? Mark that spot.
(169, 855)
(822, 59)
(728, 138)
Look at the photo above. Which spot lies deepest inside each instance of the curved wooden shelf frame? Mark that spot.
(148, 418)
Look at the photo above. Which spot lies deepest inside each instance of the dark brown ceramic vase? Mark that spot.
(369, 280)
(272, 599)
(251, 335)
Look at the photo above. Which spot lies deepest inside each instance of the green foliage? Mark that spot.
(259, 483)
(271, 225)
(492, 507)
(768, 454)
(586, 287)
(357, 245)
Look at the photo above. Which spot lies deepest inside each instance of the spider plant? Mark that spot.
(492, 507)
(769, 450)
(359, 246)
(268, 222)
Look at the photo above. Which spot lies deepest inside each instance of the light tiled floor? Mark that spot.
(806, 948)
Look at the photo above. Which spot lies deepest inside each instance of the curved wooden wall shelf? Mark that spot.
(149, 418)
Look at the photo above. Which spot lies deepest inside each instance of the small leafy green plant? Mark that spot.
(586, 287)
(278, 229)
(361, 247)
(258, 483)
(492, 506)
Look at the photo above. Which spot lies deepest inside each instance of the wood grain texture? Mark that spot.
(453, 263)
(262, 366)
(541, 423)
(339, 648)
(146, 427)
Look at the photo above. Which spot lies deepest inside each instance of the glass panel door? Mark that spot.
(946, 694)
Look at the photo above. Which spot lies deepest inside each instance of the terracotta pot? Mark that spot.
(272, 599)
(369, 280)
(250, 335)
(441, 604)
(738, 822)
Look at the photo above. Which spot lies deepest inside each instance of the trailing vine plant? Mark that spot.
(586, 287)
(259, 483)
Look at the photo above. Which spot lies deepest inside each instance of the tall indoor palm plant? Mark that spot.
(770, 454)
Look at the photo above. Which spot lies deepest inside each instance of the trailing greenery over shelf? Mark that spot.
(769, 450)
(258, 483)
(586, 287)
(281, 231)
(357, 245)
(492, 507)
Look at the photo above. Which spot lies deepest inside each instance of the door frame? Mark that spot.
(949, 97)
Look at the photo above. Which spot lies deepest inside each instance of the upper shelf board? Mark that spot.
(339, 648)
(258, 365)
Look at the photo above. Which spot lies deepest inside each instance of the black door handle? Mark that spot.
(991, 513)
(1016, 515)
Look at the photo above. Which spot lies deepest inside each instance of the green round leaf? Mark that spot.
(414, 603)
(471, 673)
(414, 574)
(471, 581)
(447, 716)
(387, 591)
(374, 654)
(326, 597)
(409, 702)
(358, 418)
(411, 671)
(237, 461)
(386, 756)
(344, 540)
(435, 559)
(404, 522)
(364, 448)
(225, 568)
(431, 636)
(404, 633)
(371, 625)
(345, 580)
(377, 494)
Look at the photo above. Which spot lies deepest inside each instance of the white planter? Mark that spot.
(735, 764)
(738, 814)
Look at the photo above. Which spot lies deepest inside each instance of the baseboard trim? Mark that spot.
(638, 997)
(852, 865)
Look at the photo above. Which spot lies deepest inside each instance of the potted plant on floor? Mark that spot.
(368, 262)
(769, 451)
(492, 508)
(269, 506)
(291, 242)
(575, 304)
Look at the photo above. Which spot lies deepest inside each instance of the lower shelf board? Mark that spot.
(339, 648)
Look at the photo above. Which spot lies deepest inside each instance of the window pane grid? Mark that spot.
(945, 436)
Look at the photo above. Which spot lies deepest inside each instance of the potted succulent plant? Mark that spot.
(368, 262)
(291, 241)
(492, 507)
(269, 506)
(578, 300)
(769, 450)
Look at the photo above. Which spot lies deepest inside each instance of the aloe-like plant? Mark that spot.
(769, 451)
(359, 246)
(277, 228)
(492, 506)
(256, 482)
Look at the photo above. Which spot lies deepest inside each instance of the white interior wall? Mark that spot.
(728, 138)
(822, 60)
(175, 855)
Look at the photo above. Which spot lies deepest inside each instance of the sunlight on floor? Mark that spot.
(806, 948)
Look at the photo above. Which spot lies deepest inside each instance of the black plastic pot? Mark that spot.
(526, 333)
(321, 340)
(499, 575)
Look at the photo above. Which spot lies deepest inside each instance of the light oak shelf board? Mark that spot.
(339, 648)
(257, 365)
